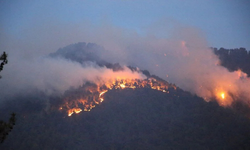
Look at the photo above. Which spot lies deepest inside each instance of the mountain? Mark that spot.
(79, 52)
(84, 52)
(165, 117)
(132, 119)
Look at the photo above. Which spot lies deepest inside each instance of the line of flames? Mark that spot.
(97, 93)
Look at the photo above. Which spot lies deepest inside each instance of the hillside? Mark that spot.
(139, 118)
(134, 119)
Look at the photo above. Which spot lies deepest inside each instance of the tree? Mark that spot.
(5, 128)
(4, 61)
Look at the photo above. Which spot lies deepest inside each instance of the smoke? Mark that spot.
(54, 75)
(181, 55)
(183, 58)
(186, 60)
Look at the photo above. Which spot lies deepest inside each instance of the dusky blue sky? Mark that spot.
(225, 23)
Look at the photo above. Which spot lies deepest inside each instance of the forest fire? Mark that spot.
(222, 95)
(222, 99)
(88, 96)
(74, 110)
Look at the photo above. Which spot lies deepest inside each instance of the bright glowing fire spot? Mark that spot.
(74, 110)
(223, 99)
(122, 86)
(222, 95)
(103, 93)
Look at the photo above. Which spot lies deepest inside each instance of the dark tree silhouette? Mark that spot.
(234, 59)
(5, 128)
(4, 60)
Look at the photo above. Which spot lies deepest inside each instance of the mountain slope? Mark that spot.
(140, 118)
(135, 119)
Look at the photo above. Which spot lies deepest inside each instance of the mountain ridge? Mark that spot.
(140, 118)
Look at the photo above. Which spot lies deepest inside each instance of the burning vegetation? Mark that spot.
(199, 72)
(89, 95)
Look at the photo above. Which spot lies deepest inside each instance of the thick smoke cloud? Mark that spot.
(181, 56)
(55, 75)
(186, 60)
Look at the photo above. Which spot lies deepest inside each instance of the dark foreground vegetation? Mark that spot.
(5, 127)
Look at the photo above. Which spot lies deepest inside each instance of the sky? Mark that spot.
(224, 23)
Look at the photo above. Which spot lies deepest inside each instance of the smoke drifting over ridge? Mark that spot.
(186, 60)
(56, 75)
(182, 57)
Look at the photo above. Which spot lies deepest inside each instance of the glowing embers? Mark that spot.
(74, 110)
(223, 99)
(101, 97)
(89, 95)
(122, 86)
(222, 95)
(74, 106)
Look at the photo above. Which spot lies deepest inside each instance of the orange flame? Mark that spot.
(72, 106)
(74, 110)
(223, 95)
(223, 99)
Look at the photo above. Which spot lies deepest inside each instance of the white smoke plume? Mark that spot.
(181, 57)
(186, 60)
(55, 75)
